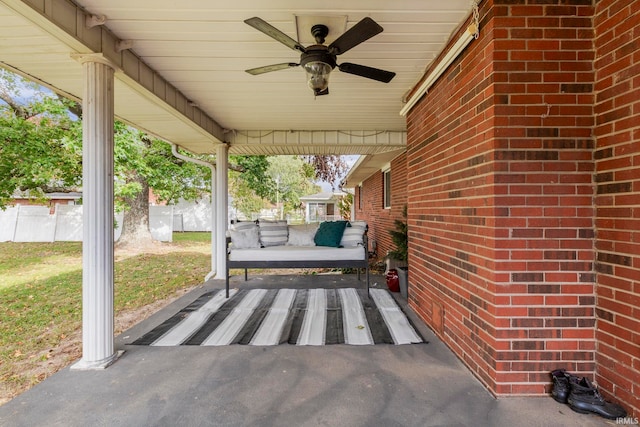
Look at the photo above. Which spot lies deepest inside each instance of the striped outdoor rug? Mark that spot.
(276, 316)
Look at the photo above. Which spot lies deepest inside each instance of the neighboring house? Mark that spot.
(52, 199)
(322, 206)
(521, 179)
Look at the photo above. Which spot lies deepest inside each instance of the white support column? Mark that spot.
(222, 209)
(97, 186)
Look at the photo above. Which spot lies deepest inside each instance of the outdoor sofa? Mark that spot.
(275, 244)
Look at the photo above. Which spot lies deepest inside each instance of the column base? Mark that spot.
(95, 365)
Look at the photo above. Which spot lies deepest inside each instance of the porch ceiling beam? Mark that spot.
(67, 23)
(338, 142)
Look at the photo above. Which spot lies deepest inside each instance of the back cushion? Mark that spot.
(245, 238)
(330, 233)
(353, 234)
(273, 233)
(302, 235)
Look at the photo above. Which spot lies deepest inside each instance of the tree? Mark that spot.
(328, 168)
(265, 181)
(40, 149)
(293, 178)
(41, 152)
(344, 206)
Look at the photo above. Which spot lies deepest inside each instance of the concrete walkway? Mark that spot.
(335, 385)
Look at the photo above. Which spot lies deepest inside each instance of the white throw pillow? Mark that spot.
(302, 235)
(353, 234)
(243, 225)
(273, 233)
(245, 238)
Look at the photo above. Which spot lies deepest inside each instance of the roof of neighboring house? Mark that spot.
(72, 195)
(323, 197)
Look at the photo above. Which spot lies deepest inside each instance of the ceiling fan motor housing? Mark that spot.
(318, 53)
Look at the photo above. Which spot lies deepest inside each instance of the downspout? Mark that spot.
(174, 151)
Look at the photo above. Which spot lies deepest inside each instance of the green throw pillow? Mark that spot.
(330, 233)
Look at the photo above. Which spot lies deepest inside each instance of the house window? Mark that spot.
(387, 189)
(360, 197)
(331, 209)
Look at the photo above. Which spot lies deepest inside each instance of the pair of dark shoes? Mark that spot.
(582, 396)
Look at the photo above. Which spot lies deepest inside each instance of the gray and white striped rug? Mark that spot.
(295, 316)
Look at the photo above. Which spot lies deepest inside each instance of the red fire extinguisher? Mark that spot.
(392, 280)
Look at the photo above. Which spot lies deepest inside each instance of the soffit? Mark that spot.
(202, 47)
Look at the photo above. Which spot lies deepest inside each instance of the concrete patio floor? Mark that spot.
(285, 385)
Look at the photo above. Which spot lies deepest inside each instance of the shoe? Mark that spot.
(585, 398)
(562, 385)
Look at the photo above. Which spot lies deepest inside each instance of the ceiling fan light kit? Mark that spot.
(319, 60)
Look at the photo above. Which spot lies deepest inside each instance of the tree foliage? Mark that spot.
(261, 182)
(328, 168)
(293, 178)
(39, 148)
(344, 206)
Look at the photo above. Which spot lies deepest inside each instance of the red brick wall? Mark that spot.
(500, 197)
(617, 160)
(523, 187)
(381, 220)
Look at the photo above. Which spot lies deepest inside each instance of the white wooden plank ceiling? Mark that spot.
(202, 47)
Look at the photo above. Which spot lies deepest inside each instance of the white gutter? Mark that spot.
(174, 151)
(441, 67)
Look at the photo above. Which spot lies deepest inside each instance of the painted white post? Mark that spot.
(97, 187)
(222, 208)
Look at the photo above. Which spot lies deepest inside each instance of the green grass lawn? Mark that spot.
(40, 295)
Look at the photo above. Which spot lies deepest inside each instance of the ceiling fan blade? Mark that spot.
(363, 30)
(368, 72)
(270, 68)
(268, 29)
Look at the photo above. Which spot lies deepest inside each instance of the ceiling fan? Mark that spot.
(318, 60)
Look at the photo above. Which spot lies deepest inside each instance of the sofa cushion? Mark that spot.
(353, 234)
(330, 233)
(302, 235)
(244, 225)
(299, 253)
(273, 233)
(247, 237)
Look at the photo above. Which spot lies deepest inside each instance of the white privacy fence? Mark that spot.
(36, 224)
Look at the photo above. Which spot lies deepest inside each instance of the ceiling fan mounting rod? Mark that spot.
(319, 32)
